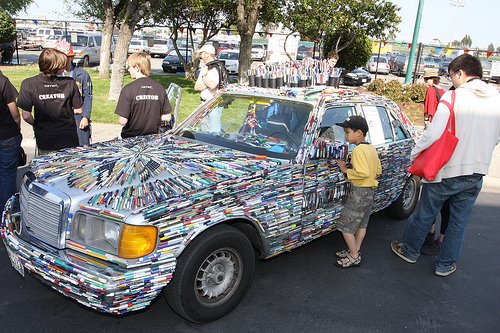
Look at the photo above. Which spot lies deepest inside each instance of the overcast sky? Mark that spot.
(440, 19)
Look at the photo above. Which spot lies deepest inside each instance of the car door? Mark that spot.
(93, 50)
(325, 187)
(393, 145)
(97, 49)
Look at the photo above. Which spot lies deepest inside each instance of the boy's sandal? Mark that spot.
(348, 262)
(344, 253)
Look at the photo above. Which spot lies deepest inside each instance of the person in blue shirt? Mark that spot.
(84, 83)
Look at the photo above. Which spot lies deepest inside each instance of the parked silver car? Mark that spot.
(113, 225)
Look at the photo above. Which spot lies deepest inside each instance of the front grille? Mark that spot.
(41, 216)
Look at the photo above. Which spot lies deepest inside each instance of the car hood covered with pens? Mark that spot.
(251, 169)
(132, 174)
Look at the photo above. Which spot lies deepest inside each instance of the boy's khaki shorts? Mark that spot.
(357, 209)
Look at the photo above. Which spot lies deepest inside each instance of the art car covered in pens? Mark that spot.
(115, 224)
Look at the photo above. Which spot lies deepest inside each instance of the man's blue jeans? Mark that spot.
(9, 154)
(463, 192)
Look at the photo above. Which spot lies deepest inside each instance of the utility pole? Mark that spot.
(378, 58)
(414, 42)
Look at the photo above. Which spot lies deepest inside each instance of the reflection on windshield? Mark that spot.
(257, 125)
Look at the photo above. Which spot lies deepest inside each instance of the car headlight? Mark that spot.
(352, 75)
(126, 241)
(137, 240)
(166, 63)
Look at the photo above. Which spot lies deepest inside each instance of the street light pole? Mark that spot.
(414, 42)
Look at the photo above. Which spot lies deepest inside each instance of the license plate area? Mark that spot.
(16, 262)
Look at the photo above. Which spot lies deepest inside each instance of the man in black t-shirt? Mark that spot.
(143, 104)
(55, 101)
(10, 139)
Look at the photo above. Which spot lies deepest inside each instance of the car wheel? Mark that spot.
(407, 200)
(85, 62)
(212, 275)
(399, 72)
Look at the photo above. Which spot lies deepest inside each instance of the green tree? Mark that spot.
(466, 41)
(107, 11)
(456, 43)
(14, 6)
(7, 28)
(247, 16)
(498, 49)
(491, 47)
(192, 15)
(356, 55)
(346, 19)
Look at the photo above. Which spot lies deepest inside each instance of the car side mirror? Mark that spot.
(91, 44)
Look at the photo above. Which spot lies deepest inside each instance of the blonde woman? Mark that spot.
(143, 103)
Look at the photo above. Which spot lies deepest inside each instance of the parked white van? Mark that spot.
(161, 47)
(87, 47)
(41, 34)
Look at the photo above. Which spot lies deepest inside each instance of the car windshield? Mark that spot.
(258, 46)
(256, 125)
(79, 40)
(380, 60)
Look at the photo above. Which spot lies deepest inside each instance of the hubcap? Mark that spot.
(218, 277)
(409, 194)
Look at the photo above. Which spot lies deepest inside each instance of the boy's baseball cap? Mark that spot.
(207, 48)
(357, 122)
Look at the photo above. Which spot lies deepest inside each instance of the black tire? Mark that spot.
(407, 200)
(85, 62)
(224, 257)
